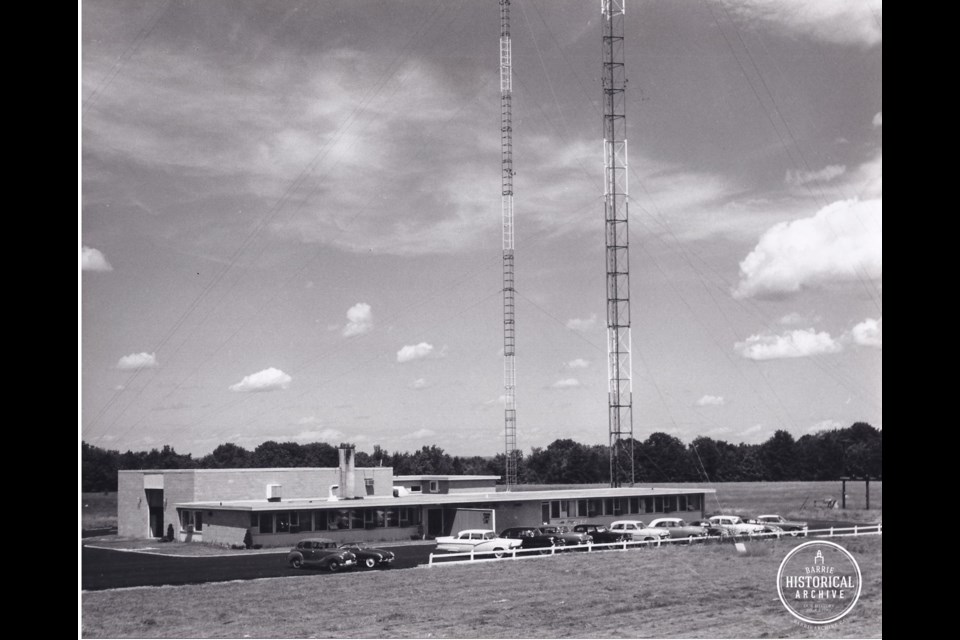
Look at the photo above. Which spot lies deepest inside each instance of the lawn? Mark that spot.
(98, 510)
(698, 591)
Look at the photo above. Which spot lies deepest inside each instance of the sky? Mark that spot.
(289, 221)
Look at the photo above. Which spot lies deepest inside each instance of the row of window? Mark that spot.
(191, 519)
(619, 506)
(333, 520)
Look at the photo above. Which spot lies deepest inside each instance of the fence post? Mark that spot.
(855, 530)
(430, 560)
(831, 531)
(472, 549)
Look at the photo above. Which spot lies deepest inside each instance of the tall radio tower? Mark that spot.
(619, 359)
(506, 208)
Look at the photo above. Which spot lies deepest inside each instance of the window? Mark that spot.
(554, 508)
(596, 508)
(582, 510)
(338, 519)
(198, 524)
(658, 504)
(186, 520)
(368, 483)
(416, 488)
(545, 512)
(283, 522)
(319, 520)
(693, 503)
(306, 520)
(392, 518)
(356, 519)
(608, 506)
(648, 505)
(266, 523)
(634, 505)
(670, 503)
(255, 522)
(295, 522)
(682, 503)
(434, 486)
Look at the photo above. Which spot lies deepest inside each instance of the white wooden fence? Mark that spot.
(519, 554)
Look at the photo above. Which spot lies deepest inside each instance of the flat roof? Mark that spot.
(441, 499)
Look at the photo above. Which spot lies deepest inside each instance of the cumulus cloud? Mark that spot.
(825, 425)
(359, 320)
(138, 361)
(792, 344)
(710, 401)
(828, 173)
(878, 119)
(582, 324)
(869, 333)
(419, 434)
(324, 435)
(267, 380)
(843, 242)
(799, 318)
(834, 21)
(566, 383)
(412, 352)
(92, 260)
(579, 363)
(757, 428)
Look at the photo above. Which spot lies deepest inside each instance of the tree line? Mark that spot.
(827, 455)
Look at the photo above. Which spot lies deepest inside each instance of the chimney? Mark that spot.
(347, 473)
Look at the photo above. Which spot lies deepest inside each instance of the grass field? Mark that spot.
(699, 591)
(98, 510)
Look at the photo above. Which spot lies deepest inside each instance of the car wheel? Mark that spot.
(334, 566)
(296, 563)
(370, 563)
(544, 551)
(498, 552)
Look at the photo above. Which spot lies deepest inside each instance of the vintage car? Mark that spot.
(322, 553)
(369, 557)
(569, 537)
(792, 527)
(735, 526)
(533, 538)
(637, 530)
(678, 528)
(600, 533)
(712, 529)
(476, 540)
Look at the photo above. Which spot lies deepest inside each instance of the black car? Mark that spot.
(369, 557)
(532, 538)
(600, 533)
(322, 553)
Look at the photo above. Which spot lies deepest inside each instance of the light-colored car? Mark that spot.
(678, 528)
(638, 530)
(476, 540)
(735, 526)
(792, 527)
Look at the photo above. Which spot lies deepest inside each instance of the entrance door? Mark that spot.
(434, 522)
(155, 504)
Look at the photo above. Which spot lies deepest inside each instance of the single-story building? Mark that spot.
(280, 506)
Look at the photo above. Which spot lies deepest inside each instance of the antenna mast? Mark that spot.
(506, 208)
(619, 359)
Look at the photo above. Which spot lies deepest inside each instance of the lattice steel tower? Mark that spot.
(506, 208)
(615, 192)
